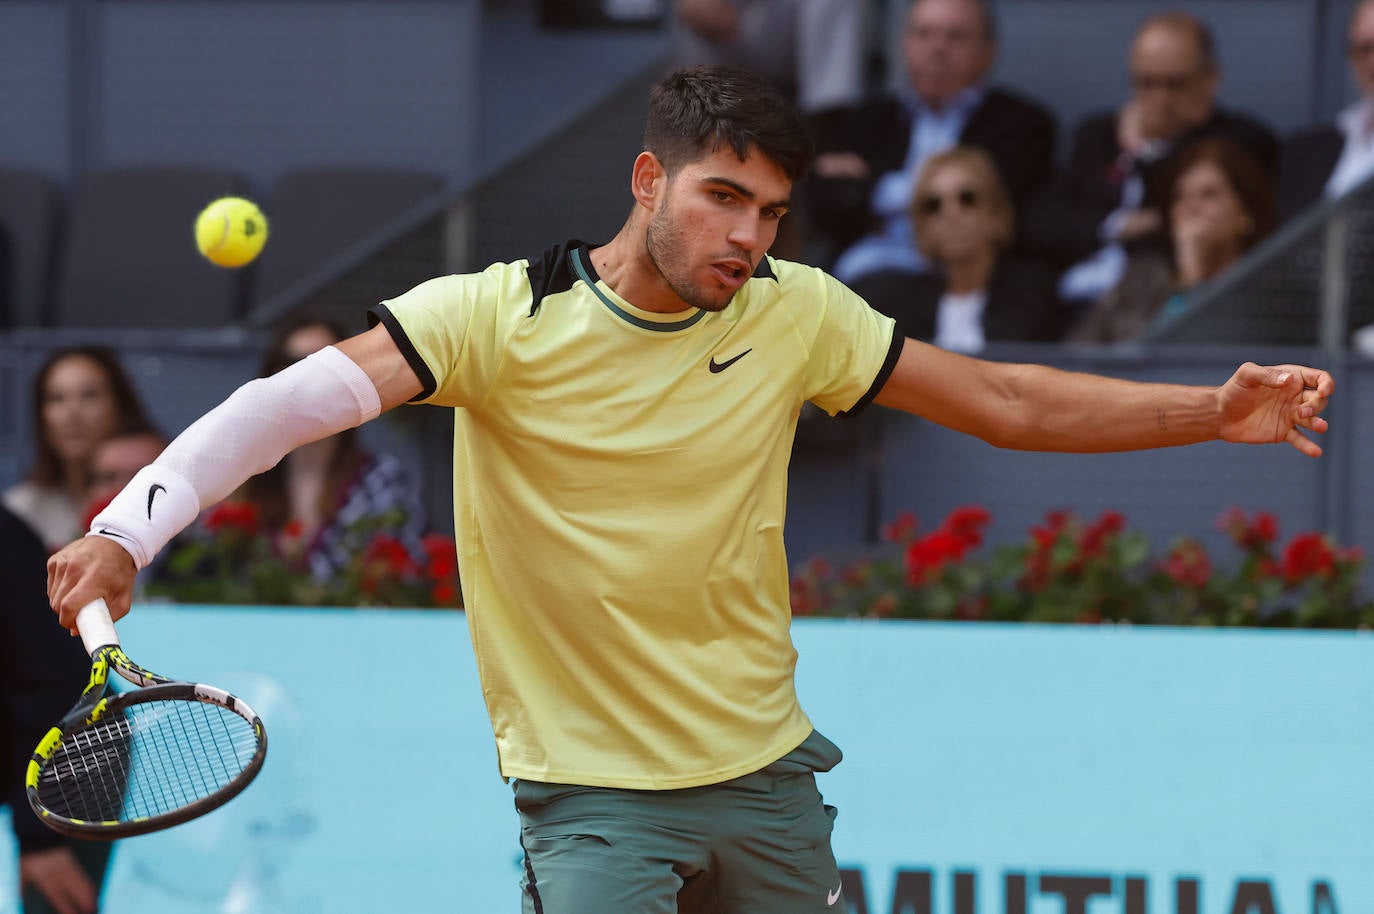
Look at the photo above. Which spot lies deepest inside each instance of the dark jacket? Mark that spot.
(1022, 305)
(42, 670)
(1063, 224)
(1016, 132)
(1305, 165)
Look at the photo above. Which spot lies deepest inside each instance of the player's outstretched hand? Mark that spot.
(91, 567)
(1269, 404)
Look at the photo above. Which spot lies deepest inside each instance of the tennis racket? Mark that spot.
(127, 763)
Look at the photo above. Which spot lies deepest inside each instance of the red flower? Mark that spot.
(1188, 564)
(389, 554)
(1095, 538)
(967, 524)
(441, 557)
(928, 555)
(444, 593)
(1307, 555)
(1252, 535)
(293, 529)
(242, 516)
(901, 529)
(1265, 528)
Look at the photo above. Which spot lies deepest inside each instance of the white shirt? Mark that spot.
(1357, 155)
(959, 321)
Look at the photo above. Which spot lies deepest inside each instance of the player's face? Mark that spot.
(78, 408)
(714, 220)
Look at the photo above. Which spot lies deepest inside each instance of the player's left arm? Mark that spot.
(1038, 408)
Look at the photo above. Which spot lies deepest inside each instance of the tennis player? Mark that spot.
(624, 415)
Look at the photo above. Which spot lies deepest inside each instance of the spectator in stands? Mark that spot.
(39, 666)
(80, 396)
(1221, 205)
(116, 459)
(332, 496)
(870, 155)
(813, 50)
(964, 224)
(1112, 196)
(1332, 159)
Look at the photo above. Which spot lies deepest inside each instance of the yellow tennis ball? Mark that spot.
(231, 231)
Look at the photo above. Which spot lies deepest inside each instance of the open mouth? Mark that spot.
(731, 273)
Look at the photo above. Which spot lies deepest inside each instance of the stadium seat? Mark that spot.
(317, 214)
(30, 211)
(130, 259)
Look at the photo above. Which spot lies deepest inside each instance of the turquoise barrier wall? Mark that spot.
(989, 769)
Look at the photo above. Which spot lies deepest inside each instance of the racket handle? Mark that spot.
(95, 625)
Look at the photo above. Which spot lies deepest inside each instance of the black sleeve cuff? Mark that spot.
(381, 314)
(894, 350)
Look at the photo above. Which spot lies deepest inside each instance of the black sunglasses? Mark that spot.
(932, 204)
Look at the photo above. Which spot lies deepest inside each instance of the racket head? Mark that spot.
(144, 760)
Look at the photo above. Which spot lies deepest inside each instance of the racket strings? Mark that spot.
(147, 760)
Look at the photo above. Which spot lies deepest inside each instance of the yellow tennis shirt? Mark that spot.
(620, 486)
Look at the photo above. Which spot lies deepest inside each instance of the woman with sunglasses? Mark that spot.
(963, 220)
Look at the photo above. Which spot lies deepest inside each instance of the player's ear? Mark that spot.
(647, 179)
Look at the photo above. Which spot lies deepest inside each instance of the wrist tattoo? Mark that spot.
(1161, 418)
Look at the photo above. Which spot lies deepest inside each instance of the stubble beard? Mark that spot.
(661, 239)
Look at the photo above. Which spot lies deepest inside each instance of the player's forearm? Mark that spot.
(248, 433)
(1045, 409)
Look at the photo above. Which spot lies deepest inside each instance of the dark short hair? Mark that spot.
(696, 110)
(47, 467)
(1243, 172)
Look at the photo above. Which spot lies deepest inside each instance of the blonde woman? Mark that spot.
(963, 221)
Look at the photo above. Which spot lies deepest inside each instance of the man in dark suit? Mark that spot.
(1113, 194)
(41, 672)
(870, 155)
(1330, 160)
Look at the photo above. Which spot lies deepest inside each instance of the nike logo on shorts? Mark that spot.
(832, 897)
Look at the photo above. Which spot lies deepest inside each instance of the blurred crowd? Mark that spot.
(944, 204)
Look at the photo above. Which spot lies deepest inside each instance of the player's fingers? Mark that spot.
(56, 565)
(1315, 379)
(1314, 423)
(1303, 443)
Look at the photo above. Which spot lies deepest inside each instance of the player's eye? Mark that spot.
(721, 196)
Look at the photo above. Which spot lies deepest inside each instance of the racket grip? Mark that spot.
(95, 625)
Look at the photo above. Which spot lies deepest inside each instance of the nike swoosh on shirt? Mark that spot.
(832, 897)
(717, 367)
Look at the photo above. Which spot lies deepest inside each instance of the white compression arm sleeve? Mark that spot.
(258, 425)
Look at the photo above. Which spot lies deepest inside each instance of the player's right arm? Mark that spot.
(337, 388)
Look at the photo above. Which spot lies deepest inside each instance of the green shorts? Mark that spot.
(758, 844)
